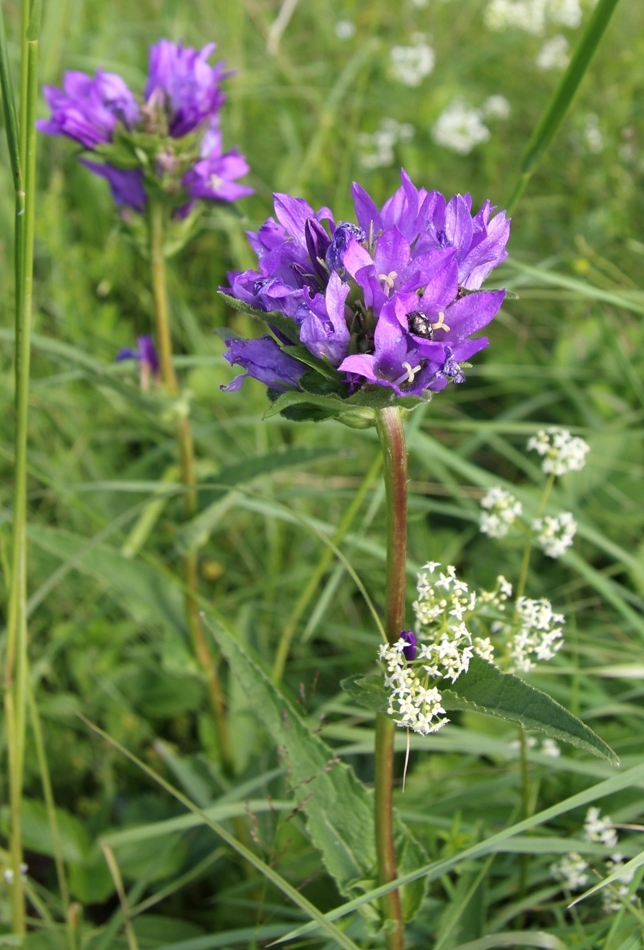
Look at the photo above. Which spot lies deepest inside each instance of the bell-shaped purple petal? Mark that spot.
(88, 110)
(324, 329)
(215, 178)
(182, 81)
(409, 651)
(263, 360)
(126, 185)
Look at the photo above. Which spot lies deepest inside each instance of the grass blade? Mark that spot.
(551, 120)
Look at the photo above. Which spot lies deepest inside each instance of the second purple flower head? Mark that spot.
(170, 142)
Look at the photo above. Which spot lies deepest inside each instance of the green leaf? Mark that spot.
(339, 809)
(485, 689)
(287, 326)
(367, 691)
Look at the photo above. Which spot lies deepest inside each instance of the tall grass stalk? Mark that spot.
(394, 451)
(187, 462)
(23, 160)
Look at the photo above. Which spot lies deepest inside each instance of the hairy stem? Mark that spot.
(187, 462)
(392, 442)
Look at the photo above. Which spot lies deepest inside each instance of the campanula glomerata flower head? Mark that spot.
(168, 143)
(390, 301)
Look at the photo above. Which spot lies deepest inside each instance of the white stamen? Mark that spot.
(441, 325)
(388, 280)
(407, 377)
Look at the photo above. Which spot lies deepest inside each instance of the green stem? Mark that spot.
(527, 551)
(187, 462)
(316, 577)
(15, 672)
(394, 452)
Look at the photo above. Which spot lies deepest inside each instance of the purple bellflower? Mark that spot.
(146, 356)
(170, 143)
(391, 302)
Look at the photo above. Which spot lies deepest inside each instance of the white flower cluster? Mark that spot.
(7, 874)
(345, 29)
(548, 747)
(416, 705)
(537, 635)
(571, 870)
(460, 127)
(496, 107)
(532, 16)
(555, 533)
(554, 54)
(378, 147)
(598, 829)
(592, 134)
(562, 451)
(411, 64)
(501, 509)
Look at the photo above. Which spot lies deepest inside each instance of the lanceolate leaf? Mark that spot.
(485, 689)
(338, 808)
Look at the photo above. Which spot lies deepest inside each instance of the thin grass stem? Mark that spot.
(15, 672)
(187, 462)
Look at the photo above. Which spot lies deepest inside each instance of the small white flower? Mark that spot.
(460, 128)
(571, 870)
(555, 533)
(599, 829)
(496, 107)
(562, 451)
(554, 54)
(591, 135)
(378, 147)
(565, 12)
(345, 30)
(411, 64)
(527, 15)
(501, 511)
(483, 648)
(550, 747)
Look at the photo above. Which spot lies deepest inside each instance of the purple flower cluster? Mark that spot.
(182, 99)
(391, 301)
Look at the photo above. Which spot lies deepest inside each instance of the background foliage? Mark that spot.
(106, 628)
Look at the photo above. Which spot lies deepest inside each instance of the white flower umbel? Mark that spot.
(496, 107)
(413, 703)
(501, 509)
(554, 54)
(571, 871)
(378, 147)
(460, 127)
(615, 894)
(598, 829)
(345, 29)
(527, 15)
(561, 451)
(550, 748)
(555, 533)
(538, 637)
(411, 64)
(565, 13)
